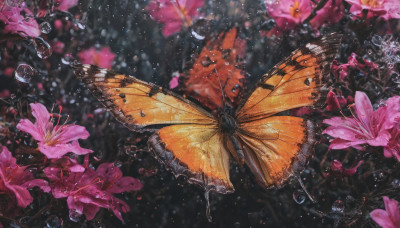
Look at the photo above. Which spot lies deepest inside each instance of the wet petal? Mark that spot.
(70, 133)
(42, 184)
(41, 115)
(27, 126)
(382, 218)
(363, 106)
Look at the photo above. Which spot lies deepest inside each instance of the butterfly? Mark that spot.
(192, 141)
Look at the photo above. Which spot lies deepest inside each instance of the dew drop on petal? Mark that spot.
(43, 49)
(299, 196)
(24, 73)
(45, 27)
(338, 206)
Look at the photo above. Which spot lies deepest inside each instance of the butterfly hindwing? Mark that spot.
(196, 152)
(277, 146)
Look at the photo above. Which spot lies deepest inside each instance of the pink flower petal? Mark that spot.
(27, 126)
(72, 133)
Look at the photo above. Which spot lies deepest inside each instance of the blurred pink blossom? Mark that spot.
(174, 14)
(365, 127)
(103, 58)
(58, 46)
(87, 191)
(388, 218)
(54, 141)
(342, 71)
(64, 5)
(288, 14)
(337, 167)
(174, 82)
(386, 9)
(331, 13)
(15, 180)
(16, 23)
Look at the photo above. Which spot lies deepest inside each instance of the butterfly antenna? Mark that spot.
(305, 190)
(222, 88)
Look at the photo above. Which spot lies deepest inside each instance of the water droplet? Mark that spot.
(67, 59)
(45, 27)
(197, 36)
(118, 164)
(396, 183)
(206, 61)
(268, 24)
(80, 25)
(226, 63)
(43, 49)
(53, 222)
(24, 73)
(200, 29)
(299, 196)
(74, 216)
(338, 206)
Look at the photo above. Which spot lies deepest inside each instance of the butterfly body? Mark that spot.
(192, 142)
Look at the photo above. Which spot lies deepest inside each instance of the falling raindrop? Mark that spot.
(80, 25)
(338, 206)
(299, 196)
(24, 73)
(45, 27)
(43, 49)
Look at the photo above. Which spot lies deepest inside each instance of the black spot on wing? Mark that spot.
(267, 86)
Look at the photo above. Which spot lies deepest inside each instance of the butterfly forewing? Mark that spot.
(276, 146)
(139, 104)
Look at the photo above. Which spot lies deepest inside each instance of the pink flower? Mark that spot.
(386, 9)
(333, 102)
(16, 23)
(15, 180)
(87, 191)
(64, 5)
(342, 71)
(337, 167)
(388, 218)
(365, 127)
(54, 141)
(331, 13)
(393, 147)
(288, 14)
(103, 58)
(174, 13)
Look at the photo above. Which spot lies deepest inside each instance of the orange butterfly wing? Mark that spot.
(217, 66)
(277, 146)
(190, 145)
